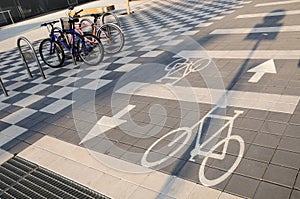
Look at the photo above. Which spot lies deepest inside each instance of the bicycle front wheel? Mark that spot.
(211, 182)
(110, 17)
(183, 132)
(52, 53)
(90, 49)
(111, 37)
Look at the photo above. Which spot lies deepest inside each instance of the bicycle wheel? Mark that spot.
(111, 37)
(52, 53)
(65, 40)
(90, 49)
(85, 26)
(208, 182)
(109, 17)
(186, 132)
(200, 64)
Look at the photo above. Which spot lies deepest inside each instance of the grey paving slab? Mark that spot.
(273, 127)
(189, 170)
(295, 194)
(257, 114)
(269, 190)
(251, 124)
(280, 175)
(267, 140)
(242, 186)
(251, 168)
(295, 119)
(286, 158)
(290, 144)
(278, 117)
(292, 130)
(260, 153)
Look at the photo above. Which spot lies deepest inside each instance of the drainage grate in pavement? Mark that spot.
(20, 178)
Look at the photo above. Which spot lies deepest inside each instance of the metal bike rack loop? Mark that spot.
(29, 56)
(3, 88)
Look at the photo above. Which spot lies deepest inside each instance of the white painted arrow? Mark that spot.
(107, 123)
(260, 70)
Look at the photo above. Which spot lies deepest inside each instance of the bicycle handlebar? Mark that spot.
(49, 23)
(76, 13)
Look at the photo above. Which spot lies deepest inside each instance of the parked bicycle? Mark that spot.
(86, 47)
(110, 34)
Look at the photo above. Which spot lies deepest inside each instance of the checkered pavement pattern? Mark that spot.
(157, 26)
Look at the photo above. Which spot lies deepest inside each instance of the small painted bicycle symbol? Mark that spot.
(198, 149)
(180, 68)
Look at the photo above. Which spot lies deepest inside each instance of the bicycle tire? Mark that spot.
(85, 26)
(176, 64)
(58, 56)
(86, 46)
(199, 65)
(109, 17)
(208, 182)
(112, 38)
(144, 160)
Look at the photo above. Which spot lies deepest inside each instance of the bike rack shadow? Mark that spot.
(29, 55)
(3, 88)
(268, 21)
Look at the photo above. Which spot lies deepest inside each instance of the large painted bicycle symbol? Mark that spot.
(176, 71)
(198, 149)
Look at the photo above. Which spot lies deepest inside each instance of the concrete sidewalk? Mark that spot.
(32, 30)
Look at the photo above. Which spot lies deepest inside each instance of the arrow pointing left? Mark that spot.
(107, 123)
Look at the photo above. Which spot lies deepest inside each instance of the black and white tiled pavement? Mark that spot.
(30, 99)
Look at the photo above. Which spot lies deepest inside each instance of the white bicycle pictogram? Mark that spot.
(180, 68)
(198, 149)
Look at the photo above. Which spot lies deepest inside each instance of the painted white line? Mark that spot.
(242, 54)
(256, 30)
(87, 168)
(269, 14)
(261, 69)
(250, 100)
(277, 3)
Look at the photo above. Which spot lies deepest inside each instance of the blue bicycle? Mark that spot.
(86, 47)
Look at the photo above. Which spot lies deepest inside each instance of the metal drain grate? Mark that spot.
(20, 178)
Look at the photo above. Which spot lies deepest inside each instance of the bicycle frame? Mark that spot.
(198, 147)
(69, 47)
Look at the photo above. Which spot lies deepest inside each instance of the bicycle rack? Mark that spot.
(29, 56)
(3, 88)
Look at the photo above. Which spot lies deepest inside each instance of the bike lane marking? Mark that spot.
(277, 3)
(78, 164)
(250, 100)
(242, 54)
(267, 14)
